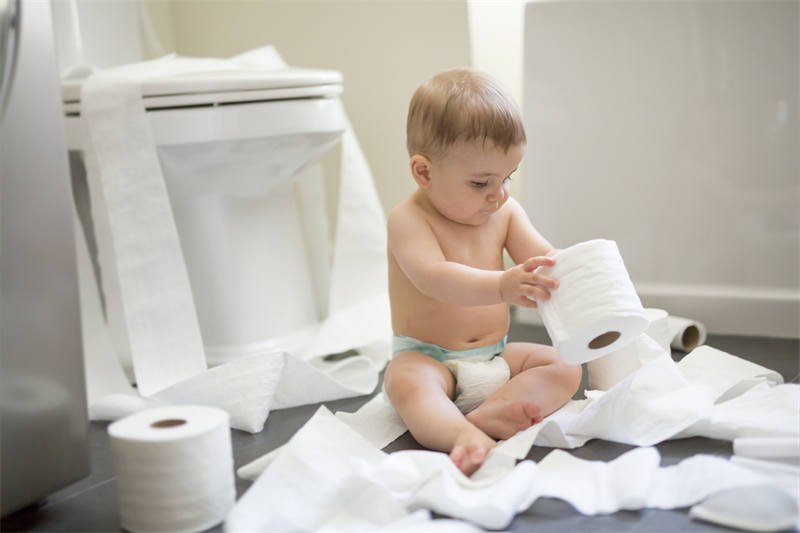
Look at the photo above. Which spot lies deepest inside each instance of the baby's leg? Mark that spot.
(421, 388)
(540, 383)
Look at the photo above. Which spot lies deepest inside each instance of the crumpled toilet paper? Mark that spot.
(595, 309)
(351, 484)
(151, 317)
(659, 401)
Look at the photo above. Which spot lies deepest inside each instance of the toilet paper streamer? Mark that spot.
(595, 309)
(150, 308)
(686, 334)
(605, 372)
(174, 468)
(138, 246)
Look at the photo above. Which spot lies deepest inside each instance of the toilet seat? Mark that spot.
(229, 105)
(224, 87)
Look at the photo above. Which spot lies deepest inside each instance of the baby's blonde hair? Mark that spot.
(461, 104)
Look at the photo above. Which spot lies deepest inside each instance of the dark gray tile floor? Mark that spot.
(91, 505)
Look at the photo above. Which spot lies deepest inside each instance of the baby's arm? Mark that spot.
(416, 249)
(526, 246)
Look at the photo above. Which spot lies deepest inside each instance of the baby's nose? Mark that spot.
(497, 195)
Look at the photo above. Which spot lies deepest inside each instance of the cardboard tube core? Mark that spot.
(601, 341)
(690, 338)
(171, 422)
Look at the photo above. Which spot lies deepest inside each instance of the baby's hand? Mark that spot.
(522, 284)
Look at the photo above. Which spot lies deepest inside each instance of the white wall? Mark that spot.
(496, 46)
(672, 127)
(384, 49)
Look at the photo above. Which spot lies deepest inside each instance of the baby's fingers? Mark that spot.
(535, 292)
(540, 279)
(535, 262)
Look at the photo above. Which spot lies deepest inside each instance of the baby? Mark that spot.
(449, 292)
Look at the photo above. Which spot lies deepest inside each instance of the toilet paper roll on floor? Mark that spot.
(686, 334)
(174, 468)
(595, 309)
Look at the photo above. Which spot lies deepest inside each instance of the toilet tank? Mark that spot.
(672, 128)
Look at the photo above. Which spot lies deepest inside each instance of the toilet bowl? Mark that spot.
(230, 145)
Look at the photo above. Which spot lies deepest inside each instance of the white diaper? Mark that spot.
(477, 380)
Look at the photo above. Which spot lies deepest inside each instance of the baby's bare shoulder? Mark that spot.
(406, 213)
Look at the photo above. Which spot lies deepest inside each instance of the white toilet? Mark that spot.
(230, 145)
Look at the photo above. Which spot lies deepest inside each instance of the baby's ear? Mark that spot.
(421, 170)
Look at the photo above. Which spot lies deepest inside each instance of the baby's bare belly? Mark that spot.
(453, 327)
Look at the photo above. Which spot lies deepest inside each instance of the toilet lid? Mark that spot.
(224, 87)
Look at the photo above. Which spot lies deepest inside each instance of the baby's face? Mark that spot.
(472, 181)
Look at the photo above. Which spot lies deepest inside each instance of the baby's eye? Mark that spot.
(479, 184)
(508, 178)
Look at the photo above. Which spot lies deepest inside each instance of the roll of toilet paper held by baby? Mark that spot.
(596, 317)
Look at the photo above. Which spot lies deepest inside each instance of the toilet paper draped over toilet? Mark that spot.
(149, 304)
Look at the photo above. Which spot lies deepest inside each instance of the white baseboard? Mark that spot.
(722, 309)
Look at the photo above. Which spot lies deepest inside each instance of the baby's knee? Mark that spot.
(405, 380)
(572, 375)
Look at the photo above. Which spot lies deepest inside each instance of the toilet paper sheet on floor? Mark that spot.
(350, 483)
(149, 302)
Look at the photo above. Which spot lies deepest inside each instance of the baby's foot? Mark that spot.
(502, 419)
(470, 449)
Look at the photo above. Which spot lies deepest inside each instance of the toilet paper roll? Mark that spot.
(686, 334)
(605, 372)
(595, 309)
(174, 468)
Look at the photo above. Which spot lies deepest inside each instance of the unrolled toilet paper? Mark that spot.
(595, 309)
(174, 468)
(138, 243)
